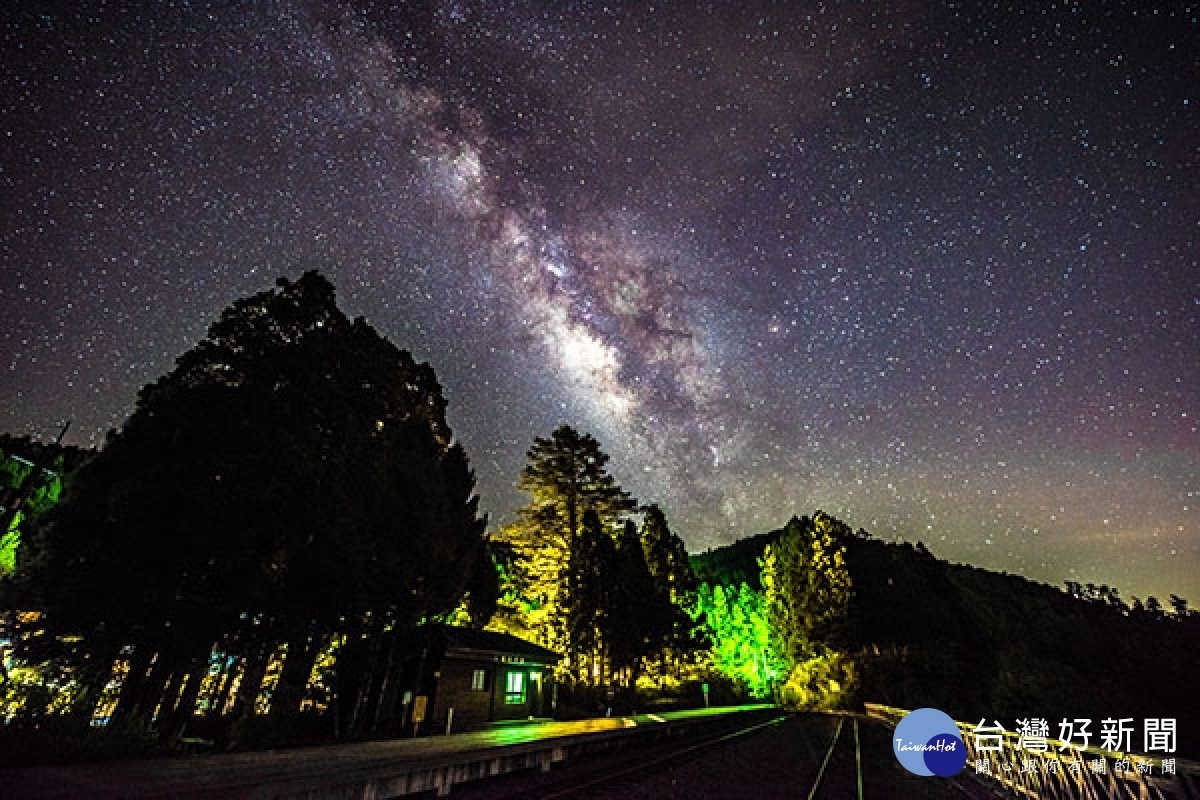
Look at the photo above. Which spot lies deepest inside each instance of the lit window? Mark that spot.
(514, 688)
(479, 680)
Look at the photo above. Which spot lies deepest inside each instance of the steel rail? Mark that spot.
(612, 777)
(828, 755)
(858, 759)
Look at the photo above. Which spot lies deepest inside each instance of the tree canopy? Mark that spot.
(583, 579)
(807, 589)
(31, 482)
(565, 477)
(293, 472)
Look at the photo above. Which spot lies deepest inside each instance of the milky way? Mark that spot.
(930, 268)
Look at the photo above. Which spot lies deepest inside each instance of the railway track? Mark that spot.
(614, 779)
(807, 756)
(815, 791)
(841, 772)
(612, 773)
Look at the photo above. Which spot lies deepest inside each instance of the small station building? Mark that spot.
(485, 676)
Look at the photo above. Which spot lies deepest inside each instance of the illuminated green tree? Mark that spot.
(739, 630)
(31, 482)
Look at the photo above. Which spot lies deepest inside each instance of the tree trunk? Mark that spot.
(160, 705)
(161, 679)
(134, 682)
(176, 715)
(96, 675)
(253, 672)
(348, 676)
(387, 691)
(368, 684)
(218, 691)
(220, 695)
(302, 651)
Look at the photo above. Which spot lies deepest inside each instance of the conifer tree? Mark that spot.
(588, 603)
(293, 474)
(638, 611)
(666, 557)
(565, 476)
(669, 625)
(739, 629)
(807, 590)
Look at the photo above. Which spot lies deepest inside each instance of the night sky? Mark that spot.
(929, 267)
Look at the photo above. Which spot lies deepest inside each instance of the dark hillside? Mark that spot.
(734, 563)
(981, 644)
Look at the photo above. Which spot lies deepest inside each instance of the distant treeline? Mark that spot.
(981, 644)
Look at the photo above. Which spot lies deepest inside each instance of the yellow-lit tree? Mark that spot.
(807, 589)
(565, 477)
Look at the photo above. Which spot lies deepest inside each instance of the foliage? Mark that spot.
(742, 643)
(784, 629)
(666, 558)
(668, 614)
(292, 477)
(31, 482)
(582, 579)
(565, 477)
(637, 616)
(918, 631)
(588, 601)
(806, 583)
(825, 679)
(807, 590)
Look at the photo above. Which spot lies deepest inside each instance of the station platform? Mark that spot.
(381, 769)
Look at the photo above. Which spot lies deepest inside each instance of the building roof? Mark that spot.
(468, 641)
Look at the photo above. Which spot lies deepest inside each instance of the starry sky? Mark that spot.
(930, 267)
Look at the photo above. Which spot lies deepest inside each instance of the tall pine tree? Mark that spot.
(566, 476)
(668, 624)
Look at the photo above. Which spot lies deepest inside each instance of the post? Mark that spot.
(419, 707)
(449, 721)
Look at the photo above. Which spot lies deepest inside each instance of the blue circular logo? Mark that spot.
(926, 742)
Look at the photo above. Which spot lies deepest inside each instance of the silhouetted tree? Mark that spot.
(666, 557)
(292, 475)
(638, 616)
(669, 619)
(588, 603)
